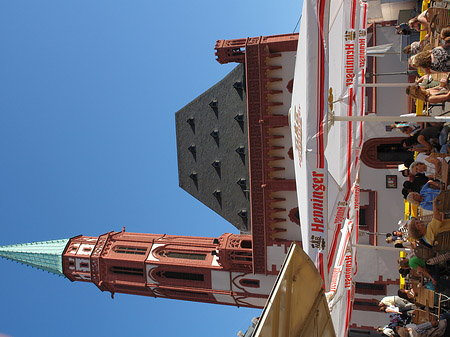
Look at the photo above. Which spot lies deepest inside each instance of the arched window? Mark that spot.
(180, 275)
(294, 215)
(127, 271)
(130, 250)
(182, 255)
(241, 256)
(384, 153)
(249, 283)
(246, 244)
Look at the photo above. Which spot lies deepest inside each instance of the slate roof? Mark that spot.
(212, 143)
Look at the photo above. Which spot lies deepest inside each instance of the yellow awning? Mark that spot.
(297, 305)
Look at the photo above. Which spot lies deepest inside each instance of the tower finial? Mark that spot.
(45, 255)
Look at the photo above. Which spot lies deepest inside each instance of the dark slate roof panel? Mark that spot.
(212, 141)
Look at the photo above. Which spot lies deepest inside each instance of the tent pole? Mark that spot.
(389, 74)
(375, 54)
(374, 118)
(357, 245)
(383, 85)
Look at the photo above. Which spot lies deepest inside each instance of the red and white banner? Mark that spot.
(341, 294)
(348, 42)
(326, 157)
(343, 152)
(308, 119)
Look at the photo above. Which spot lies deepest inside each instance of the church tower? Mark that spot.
(213, 270)
(235, 156)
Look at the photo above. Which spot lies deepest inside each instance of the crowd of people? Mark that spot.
(423, 266)
(430, 60)
(425, 183)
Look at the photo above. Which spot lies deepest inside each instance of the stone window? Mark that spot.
(128, 271)
(180, 275)
(182, 255)
(130, 250)
(249, 283)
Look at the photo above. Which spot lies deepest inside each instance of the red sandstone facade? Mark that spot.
(187, 268)
(269, 88)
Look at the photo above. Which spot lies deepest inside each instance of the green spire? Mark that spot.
(45, 255)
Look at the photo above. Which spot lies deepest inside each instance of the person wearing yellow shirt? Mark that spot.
(428, 232)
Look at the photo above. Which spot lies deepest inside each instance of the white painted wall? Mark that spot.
(287, 61)
(85, 249)
(275, 256)
(151, 256)
(385, 266)
(391, 8)
(148, 269)
(287, 163)
(293, 231)
(390, 101)
(220, 280)
(373, 318)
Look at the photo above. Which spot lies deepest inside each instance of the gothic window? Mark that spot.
(357, 331)
(291, 153)
(384, 153)
(130, 250)
(182, 255)
(368, 216)
(294, 215)
(128, 271)
(180, 275)
(246, 244)
(392, 153)
(365, 304)
(370, 288)
(249, 283)
(241, 256)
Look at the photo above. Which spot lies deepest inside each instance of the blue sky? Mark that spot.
(88, 95)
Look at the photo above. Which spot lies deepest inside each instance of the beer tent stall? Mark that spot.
(327, 123)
